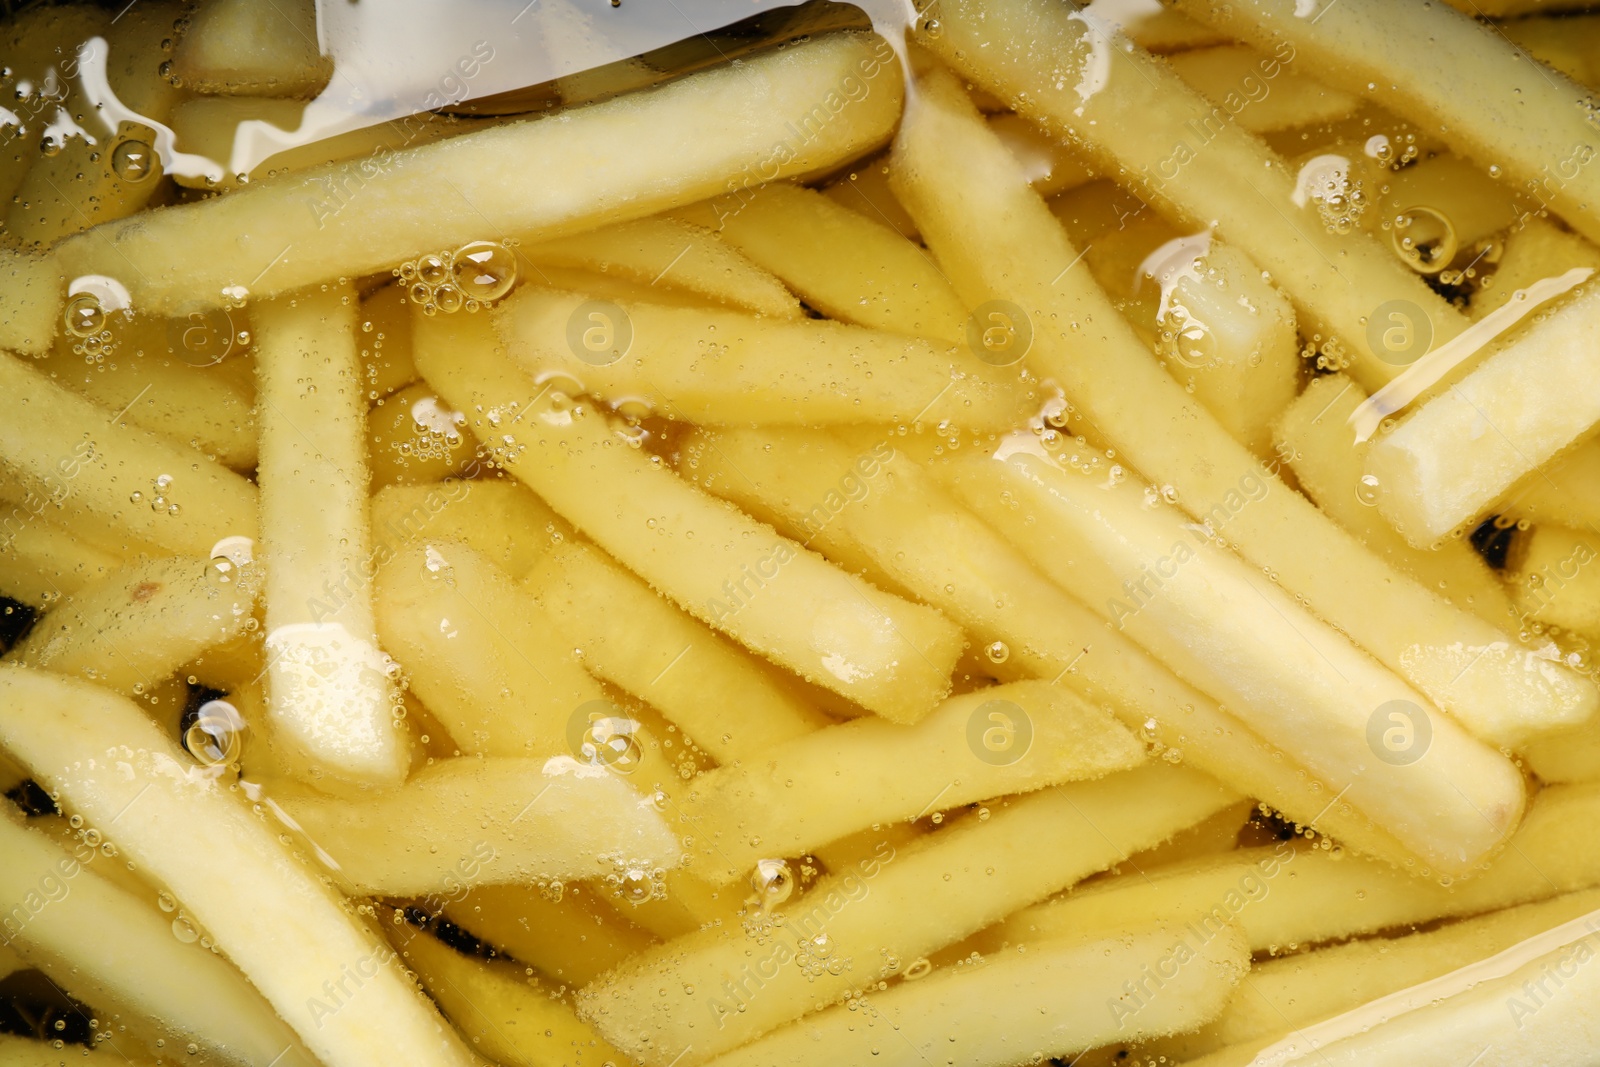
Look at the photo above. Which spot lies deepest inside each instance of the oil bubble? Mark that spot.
(484, 271)
(132, 161)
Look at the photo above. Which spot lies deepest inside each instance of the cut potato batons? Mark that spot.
(572, 940)
(246, 49)
(1256, 89)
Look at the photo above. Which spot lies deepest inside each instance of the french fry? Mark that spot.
(1528, 126)
(887, 512)
(649, 250)
(133, 480)
(386, 341)
(888, 911)
(573, 940)
(1286, 101)
(1001, 740)
(113, 949)
(414, 439)
(40, 46)
(725, 367)
(846, 265)
(1567, 44)
(133, 628)
(1476, 206)
(995, 237)
(1552, 581)
(1537, 249)
(1455, 456)
(39, 560)
(615, 289)
(506, 1015)
(332, 696)
(265, 911)
(27, 1052)
(1314, 435)
(30, 302)
(441, 195)
(490, 821)
(865, 190)
(1055, 998)
(497, 517)
(244, 49)
(774, 596)
(1561, 492)
(1051, 166)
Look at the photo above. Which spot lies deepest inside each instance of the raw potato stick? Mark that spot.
(1048, 997)
(265, 910)
(39, 559)
(844, 264)
(101, 471)
(650, 250)
(572, 940)
(889, 655)
(332, 696)
(28, 1052)
(489, 821)
(1284, 102)
(997, 741)
(241, 48)
(724, 367)
(1455, 456)
(1320, 447)
(414, 439)
(626, 158)
(886, 912)
(873, 505)
(1552, 578)
(995, 237)
(137, 626)
(1531, 123)
(1051, 166)
(30, 301)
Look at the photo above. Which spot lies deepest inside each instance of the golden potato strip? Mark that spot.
(489, 821)
(1057, 998)
(651, 250)
(264, 910)
(572, 940)
(1329, 464)
(482, 654)
(40, 560)
(1518, 117)
(30, 302)
(499, 518)
(136, 626)
(724, 367)
(875, 505)
(1051, 166)
(1568, 44)
(995, 237)
(40, 45)
(506, 1016)
(331, 695)
(414, 439)
(28, 1052)
(386, 341)
(887, 911)
(865, 190)
(891, 656)
(1285, 673)
(1561, 492)
(682, 141)
(1256, 89)
(1461, 451)
(115, 950)
(1553, 581)
(243, 48)
(1538, 249)
(842, 263)
(67, 449)
(1476, 205)
(1187, 158)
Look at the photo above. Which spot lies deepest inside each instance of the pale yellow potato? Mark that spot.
(1051, 166)
(386, 341)
(1189, 159)
(136, 626)
(1537, 249)
(481, 653)
(28, 1052)
(1476, 205)
(812, 790)
(728, 367)
(30, 301)
(1451, 459)
(472, 821)
(115, 950)
(40, 44)
(40, 561)
(1570, 45)
(1167, 30)
(846, 265)
(499, 518)
(1314, 436)
(1565, 491)
(332, 697)
(613, 288)
(413, 439)
(1551, 577)
(886, 912)
(1237, 77)
(656, 249)
(1528, 121)
(572, 940)
(865, 190)
(510, 1017)
(1238, 637)
(243, 48)
(1568, 756)
(626, 158)
(994, 236)
(1308, 987)
(874, 505)
(266, 911)
(1056, 997)
(112, 476)
(775, 597)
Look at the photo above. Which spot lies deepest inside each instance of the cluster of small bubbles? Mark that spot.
(467, 278)
(815, 956)
(1423, 238)
(1392, 154)
(1327, 354)
(636, 882)
(158, 499)
(997, 652)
